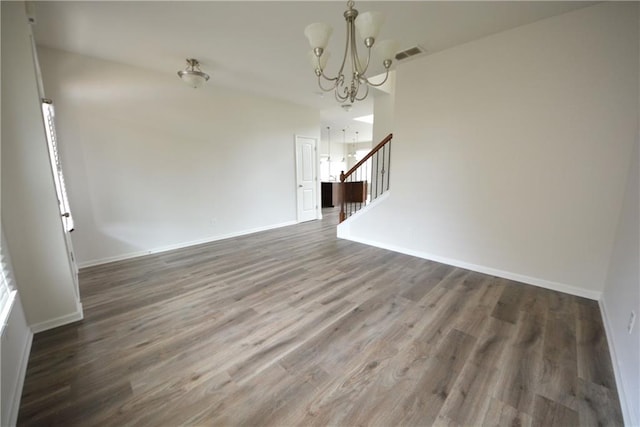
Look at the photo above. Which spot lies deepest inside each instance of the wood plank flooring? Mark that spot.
(295, 327)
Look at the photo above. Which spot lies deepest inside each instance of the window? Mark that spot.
(58, 178)
(7, 293)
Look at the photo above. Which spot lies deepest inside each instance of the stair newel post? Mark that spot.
(343, 196)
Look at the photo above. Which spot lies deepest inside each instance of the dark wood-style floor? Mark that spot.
(295, 327)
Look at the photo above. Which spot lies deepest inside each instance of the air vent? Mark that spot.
(411, 52)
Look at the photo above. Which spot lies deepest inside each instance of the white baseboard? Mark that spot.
(167, 248)
(22, 373)
(344, 233)
(624, 403)
(58, 321)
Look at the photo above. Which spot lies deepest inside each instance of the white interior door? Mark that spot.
(306, 181)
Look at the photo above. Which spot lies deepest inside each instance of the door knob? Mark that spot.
(300, 185)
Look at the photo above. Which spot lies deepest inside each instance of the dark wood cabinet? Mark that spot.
(355, 192)
(327, 189)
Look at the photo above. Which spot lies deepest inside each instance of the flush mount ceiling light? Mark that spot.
(192, 75)
(368, 25)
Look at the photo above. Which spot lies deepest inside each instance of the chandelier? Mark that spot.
(356, 86)
(192, 75)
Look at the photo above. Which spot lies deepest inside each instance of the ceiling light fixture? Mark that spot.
(353, 146)
(192, 75)
(368, 25)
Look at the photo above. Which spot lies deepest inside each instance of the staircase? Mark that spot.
(366, 180)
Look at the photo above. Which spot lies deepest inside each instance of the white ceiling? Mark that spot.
(260, 46)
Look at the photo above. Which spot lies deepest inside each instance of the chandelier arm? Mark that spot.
(326, 89)
(377, 84)
(340, 86)
(346, 50)
(366, 67)
(320, 72)
(344, 88)
(366, 92)
(355, 88)
(356, 67)
(329, 79)
(355, 60)
(339, 97)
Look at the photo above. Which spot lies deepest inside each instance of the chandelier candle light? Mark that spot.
(368, 25)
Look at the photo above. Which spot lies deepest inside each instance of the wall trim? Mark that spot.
(345, 233)
(14, 408)
(624, 402)
(130, 255)
(58, 321)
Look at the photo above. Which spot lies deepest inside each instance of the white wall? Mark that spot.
(622, 292)
(511, 152)
(30, 214)
(153, 164)
(622, 295)
(383, 113)
(16, 345)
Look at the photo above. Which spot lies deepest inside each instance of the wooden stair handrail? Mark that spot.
(343, 176)
(367, 157)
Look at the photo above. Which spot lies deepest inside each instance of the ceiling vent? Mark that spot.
(410, 53)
